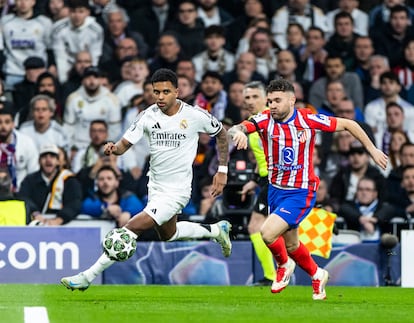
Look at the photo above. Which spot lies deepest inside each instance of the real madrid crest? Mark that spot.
(80, 104)
(183, 124)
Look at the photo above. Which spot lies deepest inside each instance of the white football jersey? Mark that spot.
(173, 142)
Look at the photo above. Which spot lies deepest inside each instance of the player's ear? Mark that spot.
(292, 100)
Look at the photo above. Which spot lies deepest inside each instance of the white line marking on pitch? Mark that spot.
(35, 314)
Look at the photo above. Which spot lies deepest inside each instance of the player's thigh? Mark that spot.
(167, 230)
(273, 227)
(140, 222)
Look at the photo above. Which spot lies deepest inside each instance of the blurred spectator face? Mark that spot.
(295, 36)
(116, 24)
(78, 16)
(24, 7)
(335, 93)
(407, 155)
(389, 88)
(207, 4)
(211, 87)
(187, 14)
(107, 182)
(348, 5)
(33, 73)
(363, 48)
(254, 100)
(395, 118)
(358, 159)
(260, 44)
(186, 68)
(409, 52)
(148, 94)
(139, 71)
(408, 180)
(215, 42)
(345, 109)
(236, 93)
(253, 8)
(344, 27)
(126, 47)
(334, 68)
(91, 84)
(246, 61)
(48, 163)
(58, 9)
(366, 192)
(343, 141)
(126, 71)
(314, 41)
(6, 127)
(83, 60)
(98, 134)
(398, 138)
(286, 64)
(105, 82)
(47, 84)
(377, 66)
(399, 22)
(185, 89)
(42, 114)
(168, 48)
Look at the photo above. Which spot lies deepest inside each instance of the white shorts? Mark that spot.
(163, 206)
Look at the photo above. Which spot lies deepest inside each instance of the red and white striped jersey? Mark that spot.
(289, 145)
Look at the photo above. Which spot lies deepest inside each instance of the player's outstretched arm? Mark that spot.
(355, 129)
(220, 178)
(237, 133)
(117, 148)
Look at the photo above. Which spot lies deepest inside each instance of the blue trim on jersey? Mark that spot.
(291, 205)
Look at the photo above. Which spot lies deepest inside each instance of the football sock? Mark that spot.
(264, 255)
(98, 267)
(278, 249)
(189, 230)
(303, 258)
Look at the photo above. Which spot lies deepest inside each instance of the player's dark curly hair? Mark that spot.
(165, 75)
(280, 85)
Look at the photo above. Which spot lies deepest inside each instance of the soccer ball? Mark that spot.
(119, 245)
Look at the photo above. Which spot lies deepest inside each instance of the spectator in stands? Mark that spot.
(379, 15)
(76, 33)
(342, 42)
(215, 57)
(18, 153)
(212, 97)
(91, 101)
(335, 70)
(83, 59)
(397, 139)
(109, 201)
(189, 28)
(26, 89)
(296, 39)
(57, 9)
(139, 72)
(344, 184)
(360, 18)
(116, 19)
(254, 25)
(375, 111)
(43, 129)
(13, 211)
(186, 89)
(212, 14)
(286, 67)
(301, 12)
(377, 64)
(363, 50)
(235, 103)
(64, 162)
(244, 71)
(390, 41)
(169, 53)
(367, 213)
(52, 191)
(32, 39)
(150, 21)
(405, 72)
(186, 67)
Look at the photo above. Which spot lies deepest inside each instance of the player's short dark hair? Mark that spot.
(165, 75)
(280, 85)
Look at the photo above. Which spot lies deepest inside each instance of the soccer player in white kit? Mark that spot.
(172, 128)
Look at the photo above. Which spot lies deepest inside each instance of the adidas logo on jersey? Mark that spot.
(156, 126)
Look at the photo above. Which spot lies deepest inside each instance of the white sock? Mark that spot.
(190, 230)
(98, 267)
(318, 274)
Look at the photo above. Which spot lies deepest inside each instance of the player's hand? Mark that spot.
(240, 140)
(219, 181)
(109, 148)
(380, 158)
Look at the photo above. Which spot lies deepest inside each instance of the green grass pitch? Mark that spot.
(135, 303)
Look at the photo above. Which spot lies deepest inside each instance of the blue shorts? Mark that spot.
(291, 205)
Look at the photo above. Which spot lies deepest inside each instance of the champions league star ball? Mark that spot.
(119, 245)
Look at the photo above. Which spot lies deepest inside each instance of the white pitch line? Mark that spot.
(35, 314)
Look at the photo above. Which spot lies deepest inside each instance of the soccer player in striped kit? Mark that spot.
(288, 137)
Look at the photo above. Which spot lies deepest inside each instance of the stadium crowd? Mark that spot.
(74, 74)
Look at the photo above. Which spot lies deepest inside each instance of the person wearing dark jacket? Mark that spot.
(52, 190)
